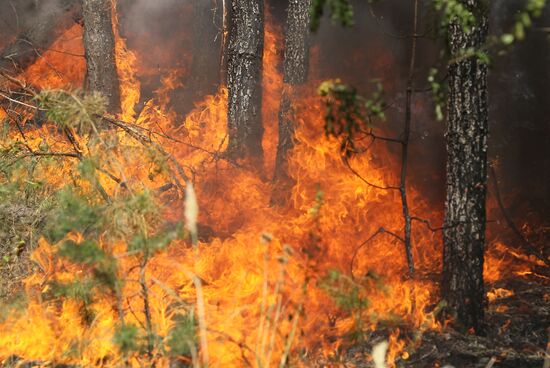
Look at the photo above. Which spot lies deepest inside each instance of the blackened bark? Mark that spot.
(466, 136)
(99, 43)
(204, 78)
(52, 18)
(286, 135)
(205, 65)
(296, 65)
(244, 64)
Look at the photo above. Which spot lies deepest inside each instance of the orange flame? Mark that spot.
(254, 287)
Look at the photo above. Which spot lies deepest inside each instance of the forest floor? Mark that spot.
(517, 323)
(516, 336)
(19, 225)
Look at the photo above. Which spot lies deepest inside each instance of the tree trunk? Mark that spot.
(244, 63)
(204, 77)
(51, 18)
(205, 66)
(296, 63)
(99, 43)
(467, 131)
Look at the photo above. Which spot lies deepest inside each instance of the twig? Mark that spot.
(547, 353)
(19, 102)
(528, 246)
(356, 173)
(52, 154)
(405, 145)
(381, 230)
(241, 345)
(491, 362)
(429, 225)
(146, 307)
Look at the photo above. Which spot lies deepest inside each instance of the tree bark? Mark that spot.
(244, 65)
(466, 136)
(296, 61)
(204, 77)
(205, 66)
(99, 44)
(51, 19)
(296, 65)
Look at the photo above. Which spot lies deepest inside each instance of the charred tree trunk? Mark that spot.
(99, 43)
(296, 65)
(467, 131)
(244, 65)
(205, 65)
(51, 18)
(204, 78)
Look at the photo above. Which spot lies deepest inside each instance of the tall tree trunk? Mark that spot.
(296, 65)
(204, 77)
(99, 43)
(205, 66)
(51, 18)
(467, 131)
(244, 63)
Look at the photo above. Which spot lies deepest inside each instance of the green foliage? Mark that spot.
(85, 228)
(340, 10)
(126, 338)
(523, 21)
(81, 290)
(438, 93)
(319, 202)
(86, 253)
(89, 253)
(151, 244)
(346, 293)
(72, 109)
(454, 11)
(183, 335)
(73, 213)
(350, 295)
(347, 113)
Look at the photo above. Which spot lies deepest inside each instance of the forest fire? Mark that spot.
(265, 281)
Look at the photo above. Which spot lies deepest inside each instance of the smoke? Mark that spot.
(377, 47)
(168, 34)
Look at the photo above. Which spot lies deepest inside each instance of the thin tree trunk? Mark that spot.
(244, 63)
(467, 131)
(99, 43)
(296, 65)
(52, 18)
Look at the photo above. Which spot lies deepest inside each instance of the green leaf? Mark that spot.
(81, 290)
(87, 252)
(72, 214)
(126, 338)
(183, 336)
(156, 242)
(507, 39)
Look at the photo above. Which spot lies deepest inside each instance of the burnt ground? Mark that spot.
(517, 334)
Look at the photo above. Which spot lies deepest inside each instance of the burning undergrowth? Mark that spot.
(123, 277)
